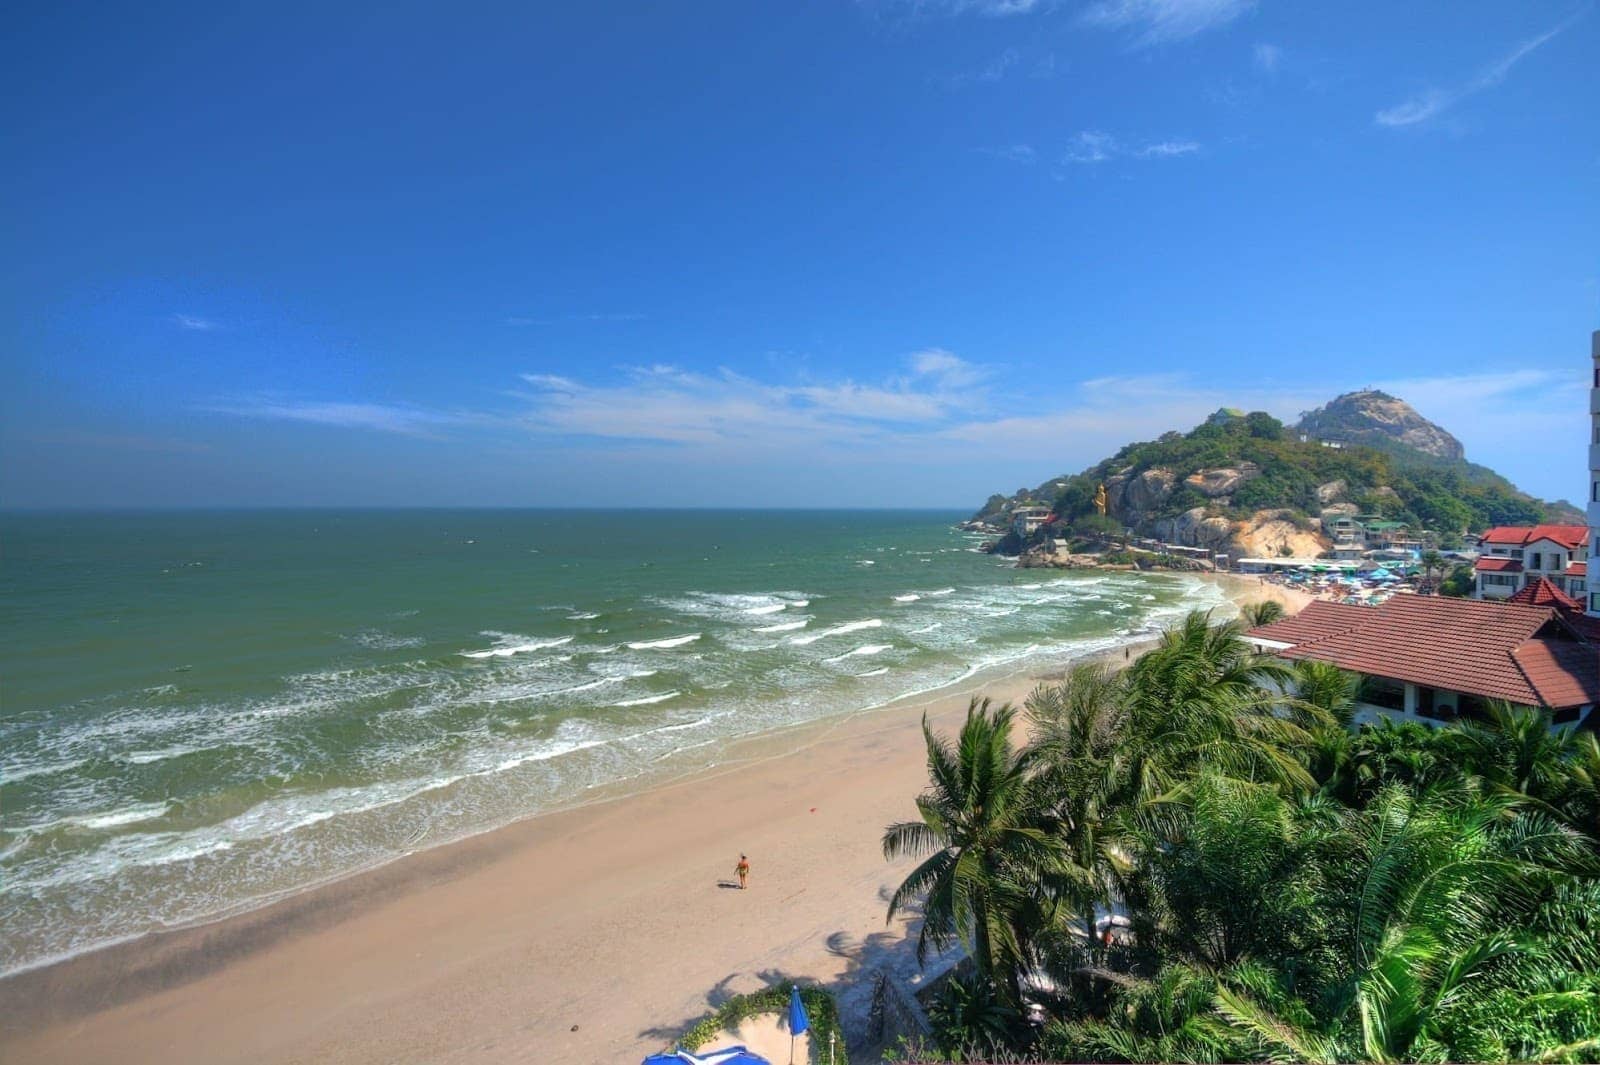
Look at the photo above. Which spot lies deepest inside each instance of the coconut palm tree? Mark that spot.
(1440, 891)
(1262, 613)
(1515, 749)
(986, 880)
(1204, 695)
(1077, 729)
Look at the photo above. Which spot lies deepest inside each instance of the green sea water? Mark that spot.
(204, 711)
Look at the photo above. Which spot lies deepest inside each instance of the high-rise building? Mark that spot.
(1593, 600)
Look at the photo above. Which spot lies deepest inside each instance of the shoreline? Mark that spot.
(599, 912)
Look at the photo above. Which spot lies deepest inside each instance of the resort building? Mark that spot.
(1026, 519)
(1513, 556)
(1380, 534)
(1433, 659)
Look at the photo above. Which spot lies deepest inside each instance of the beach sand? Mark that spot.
(593, 934)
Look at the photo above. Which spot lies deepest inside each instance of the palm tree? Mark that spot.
(1437, 888)
(1515, 749)
(1205, 696)
(986, 879)
(1077, 727)
(1261, 613)
(1329, 753)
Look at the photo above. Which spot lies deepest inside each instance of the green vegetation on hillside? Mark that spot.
(1287, 888)
(1449, 496)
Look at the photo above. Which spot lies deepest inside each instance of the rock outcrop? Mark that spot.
(1214, 484)
(1378, 419)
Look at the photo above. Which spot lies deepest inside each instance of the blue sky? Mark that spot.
(888, 252)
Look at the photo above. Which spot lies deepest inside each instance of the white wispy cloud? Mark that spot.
(1090, 146)
(1267, 57)
(1154, 22)
(951, 8)
(1012, 153)
(1166, 149)
(382, 417)
(193, 322)
(1097, 146)
(1433, 101)
(671, 405)
(994, 70)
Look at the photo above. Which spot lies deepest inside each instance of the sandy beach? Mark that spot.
(594, 934)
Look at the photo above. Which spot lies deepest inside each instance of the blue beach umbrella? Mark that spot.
(799, 1023)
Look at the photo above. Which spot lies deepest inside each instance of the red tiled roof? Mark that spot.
(1570, 536)
(1579, 568)
(1513, 651)
(1562, 672)
(1319, 618)
(1541, 591)
(1496, 565)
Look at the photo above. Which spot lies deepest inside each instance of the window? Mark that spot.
(1381, 691)
(1565, 716)
(1535, 560)
(1594, 602)
(1597, 377)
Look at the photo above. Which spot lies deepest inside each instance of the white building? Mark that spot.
(1592, 599)
(1028, 518)
(1511, 557)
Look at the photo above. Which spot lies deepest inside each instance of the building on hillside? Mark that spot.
(1344, 528)
(1383, 534)
(1512, 556)
(1434, 659)
(1026, 519)
(1592, 599)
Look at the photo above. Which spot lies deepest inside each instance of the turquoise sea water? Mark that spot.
(203, 711)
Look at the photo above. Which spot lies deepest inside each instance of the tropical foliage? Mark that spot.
(1200, 859)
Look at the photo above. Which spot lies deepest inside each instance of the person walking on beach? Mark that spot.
(743, 869)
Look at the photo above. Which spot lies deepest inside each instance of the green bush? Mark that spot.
(820, 1009)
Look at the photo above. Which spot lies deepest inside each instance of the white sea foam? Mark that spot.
(675, 641)
(926, 628)
(509, 649)
(863, 650)
(647, 700)
(378, 640)
(585, 616)
(770, 609)
(13, 773)
(874, 672)
(865, 562)
(787, 626)
(837, 630)
(147, 757)
(942, 591)
(909, 597)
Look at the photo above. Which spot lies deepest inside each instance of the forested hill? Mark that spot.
(1235, 466)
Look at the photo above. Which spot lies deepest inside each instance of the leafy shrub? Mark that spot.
(820, 1010)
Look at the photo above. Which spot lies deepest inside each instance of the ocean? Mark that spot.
(203, 711)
